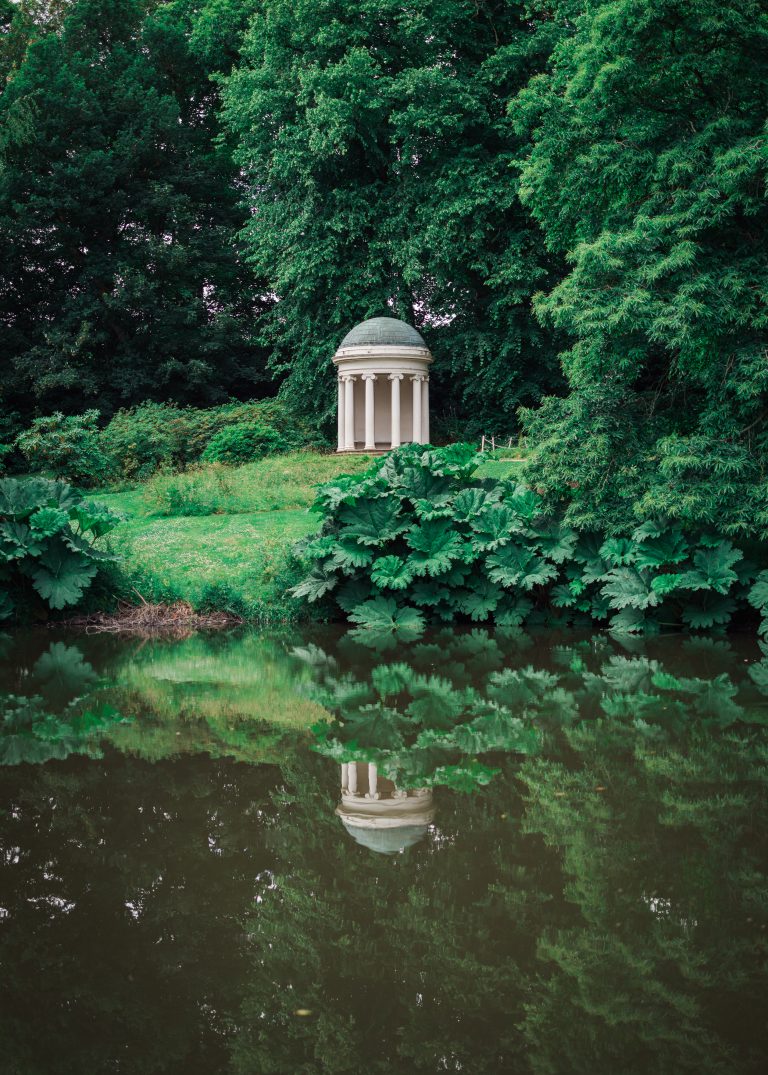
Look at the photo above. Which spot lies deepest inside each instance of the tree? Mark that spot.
(119, 279)
(379, 165)
(647, 172)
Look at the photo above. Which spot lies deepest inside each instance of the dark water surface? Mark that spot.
(564, 872)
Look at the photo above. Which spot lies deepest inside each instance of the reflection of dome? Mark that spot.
(386, 841)
(386, 331)
(378, 815)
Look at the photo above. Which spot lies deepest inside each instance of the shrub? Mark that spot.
(67, 447)
(48, 536)
(160, 437)
(417, 537)
(145, 439)
(243, 443)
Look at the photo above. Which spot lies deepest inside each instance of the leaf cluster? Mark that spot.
(418, 538)
(49, 543)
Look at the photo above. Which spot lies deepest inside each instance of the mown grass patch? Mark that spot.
(235, 557)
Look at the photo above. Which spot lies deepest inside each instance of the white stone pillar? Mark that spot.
(394, 439)
(425, 411)
(344, 775)
(370, 434)
(349, 412)
(340, 417)
(373, 781)
(416, 381)
(352, 778)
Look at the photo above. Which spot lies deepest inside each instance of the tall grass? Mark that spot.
(276, 483)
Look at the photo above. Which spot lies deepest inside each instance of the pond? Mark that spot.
(293, 853)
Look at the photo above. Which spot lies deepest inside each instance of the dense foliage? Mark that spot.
(152, 437)
(379, 161)
(416, 538)
(48, 544)
(119, 278)
(648, 173)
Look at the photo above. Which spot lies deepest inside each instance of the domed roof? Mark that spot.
(383, 330)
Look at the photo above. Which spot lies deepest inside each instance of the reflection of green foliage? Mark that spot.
(426, 729)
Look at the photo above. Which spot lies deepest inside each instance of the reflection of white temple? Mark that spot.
(378, 815)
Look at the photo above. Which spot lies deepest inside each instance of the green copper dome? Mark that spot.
(387, 331)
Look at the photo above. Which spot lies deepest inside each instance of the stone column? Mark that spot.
(425, 411)
(349, 412)
(352, 778)
(416, 381)
(370, 434)
(373, 780)
(394, 439)
(344, 775)
(340, 416)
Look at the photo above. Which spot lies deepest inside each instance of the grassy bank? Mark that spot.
(220, 537)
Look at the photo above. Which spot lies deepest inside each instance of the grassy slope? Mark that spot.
(236, 558)
(232, 560)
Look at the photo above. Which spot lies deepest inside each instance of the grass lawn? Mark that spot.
(235, 559)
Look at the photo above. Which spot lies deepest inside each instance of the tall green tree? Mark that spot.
(647, 173)
(119, 279)
(379, 164)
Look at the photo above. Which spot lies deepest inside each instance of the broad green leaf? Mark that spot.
(669, 548)
(557, 541)
(493, 527)
(515, 565)
(481, 600)
(392, 572)
(17, 540)
(435, 546)
(61, 576)
(627, 587)
(758, 595)
(320, 581)
(470, 502)
(714, 566)
(618, 552)
(372, 522)
(708, 610)
(349, 554)
(48, 521)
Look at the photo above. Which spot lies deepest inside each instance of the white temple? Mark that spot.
(378, 815)
(383, 368)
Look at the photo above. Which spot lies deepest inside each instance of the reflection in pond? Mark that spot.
(575, 880)
(379, 815)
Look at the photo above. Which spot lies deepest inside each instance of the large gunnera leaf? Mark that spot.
(372, 522)
(515, 565)
(62, 576)
(557, 541)
(320, 580)
(381, 623)
(668, 548)
(714, 566)
(436, 545)
(392, 572)
(626, 587)
(493, 527)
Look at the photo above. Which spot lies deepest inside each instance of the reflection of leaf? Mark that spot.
(63, 668)
(381, 621)
(374, 726)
